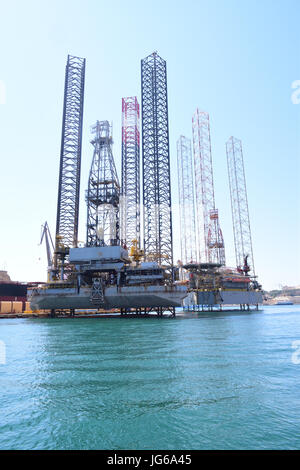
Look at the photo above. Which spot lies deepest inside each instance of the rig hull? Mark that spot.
(122, 297)
(223, 297)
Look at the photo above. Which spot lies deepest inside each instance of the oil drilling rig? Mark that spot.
(209, 281)
(103, 275)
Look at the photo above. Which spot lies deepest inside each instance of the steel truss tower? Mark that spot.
(239, 204)
(158, 243)
(130, 189)
(70, 155)
(210, 238)
(103, 192)
(186, 200)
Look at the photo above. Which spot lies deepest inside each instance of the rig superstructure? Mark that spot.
(103, 194)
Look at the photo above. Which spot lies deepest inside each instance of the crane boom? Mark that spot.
(48, 240)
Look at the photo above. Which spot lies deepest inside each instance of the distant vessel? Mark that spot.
(284, 302)
(10, 290)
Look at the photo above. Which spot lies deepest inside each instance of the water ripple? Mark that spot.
(208, 382)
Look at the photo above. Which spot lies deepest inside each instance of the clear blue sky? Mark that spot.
(235, 59)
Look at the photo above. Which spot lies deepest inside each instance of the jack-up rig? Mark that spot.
(209, 281)
(103, 274)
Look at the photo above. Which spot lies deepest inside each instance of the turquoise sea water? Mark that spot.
(209, 381)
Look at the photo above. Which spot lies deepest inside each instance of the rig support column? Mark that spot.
(158, 242)
(130, 189)
(186, 200)
(210, 238)
(70, 155)
(239, 204)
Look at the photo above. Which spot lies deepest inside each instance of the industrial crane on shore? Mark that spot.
(49, 246)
